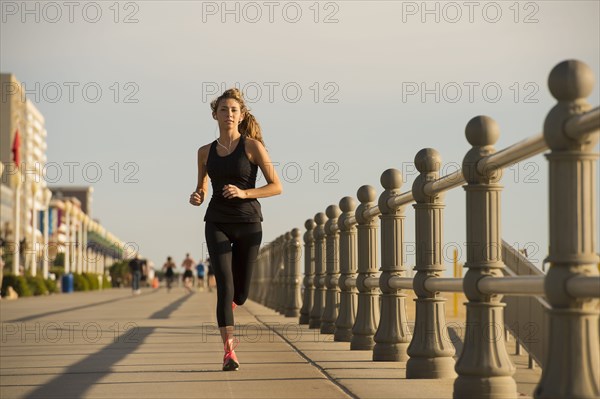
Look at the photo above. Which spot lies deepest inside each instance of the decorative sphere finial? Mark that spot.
(366, 194)
(428, 160)
(391, 179)
(332, 211)
(310, 224)
(320, 218)
(347, 204)
(570, 80)
(482, 131)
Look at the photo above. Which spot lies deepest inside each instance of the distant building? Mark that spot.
(36, 221)
(82, 193)
(22, 134)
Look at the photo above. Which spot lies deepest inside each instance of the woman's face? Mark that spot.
(229, 113)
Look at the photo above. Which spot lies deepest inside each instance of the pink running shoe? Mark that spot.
(230, 361)
(233, 305)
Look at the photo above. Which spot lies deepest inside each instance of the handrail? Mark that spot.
(372, 282)
(584, 287)
(510, 155)
(583, 124)
(529, 147)
(441, 284)
(445, 183)
(401, 283)
(401, 200)
(521, 285)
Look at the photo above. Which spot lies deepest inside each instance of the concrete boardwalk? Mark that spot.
(110, 344)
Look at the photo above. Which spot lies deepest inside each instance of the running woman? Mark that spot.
(233, 218)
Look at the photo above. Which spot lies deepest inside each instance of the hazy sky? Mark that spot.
(343, 90)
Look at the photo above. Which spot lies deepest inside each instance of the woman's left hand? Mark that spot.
(231, 191)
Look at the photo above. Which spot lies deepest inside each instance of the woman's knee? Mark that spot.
(240, 299)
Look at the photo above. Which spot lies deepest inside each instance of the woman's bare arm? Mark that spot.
(258, 155)
(199, 194)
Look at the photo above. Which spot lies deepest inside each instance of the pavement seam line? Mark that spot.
(310, 361)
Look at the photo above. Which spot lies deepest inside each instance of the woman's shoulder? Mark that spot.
(253, 144)
(204, 150)
(205, 147)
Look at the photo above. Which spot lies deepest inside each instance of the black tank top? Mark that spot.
(235, 169)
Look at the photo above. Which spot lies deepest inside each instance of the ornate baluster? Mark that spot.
(430, 349)
(293, 299)
(319, 300)
(367, 314)
(393, 336)
(572, 368)
(309, 271)
(484, 367)
(348, 296)
(332, 294)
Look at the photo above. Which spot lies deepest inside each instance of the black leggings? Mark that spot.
(233, 249)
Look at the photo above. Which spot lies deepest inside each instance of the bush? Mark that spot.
(58, 271)
(19, 284)
(8, 261)
(52, 286)
(92, 280)
(106, 282)
(119, 272)
(80, 283)
(60, 259)
(37, 285)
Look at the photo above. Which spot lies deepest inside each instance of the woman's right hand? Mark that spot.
(197, 198)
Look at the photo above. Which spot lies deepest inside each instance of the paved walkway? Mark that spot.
(110, 344)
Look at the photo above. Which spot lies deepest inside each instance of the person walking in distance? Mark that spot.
(210, 279)
(169, 269)
(135, 267)
(233, 218)
(200, 272)
(188, 274)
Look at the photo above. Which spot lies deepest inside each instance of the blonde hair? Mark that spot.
(249, 126)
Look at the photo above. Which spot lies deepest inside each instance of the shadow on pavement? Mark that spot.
(91, 305)
(83, 375)
(166, 312)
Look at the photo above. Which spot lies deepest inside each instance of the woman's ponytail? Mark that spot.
(250, 127)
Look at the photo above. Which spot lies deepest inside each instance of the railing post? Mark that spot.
(484, 367)
(254, 286)
(572, 368)
(272, 276)
(285, 269)
(332, 294)
(275, 287)
(348, 297)
(261, 276)
(257, 291)
(269, 275)
(279, 273)
(309, 271)
(293, 300)
(264, 258)
(275, 263)
(319, 300)
(430, 349)
(393, 336)
(367, 314)
(283, 273)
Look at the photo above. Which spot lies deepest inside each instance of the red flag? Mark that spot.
(16, 149)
